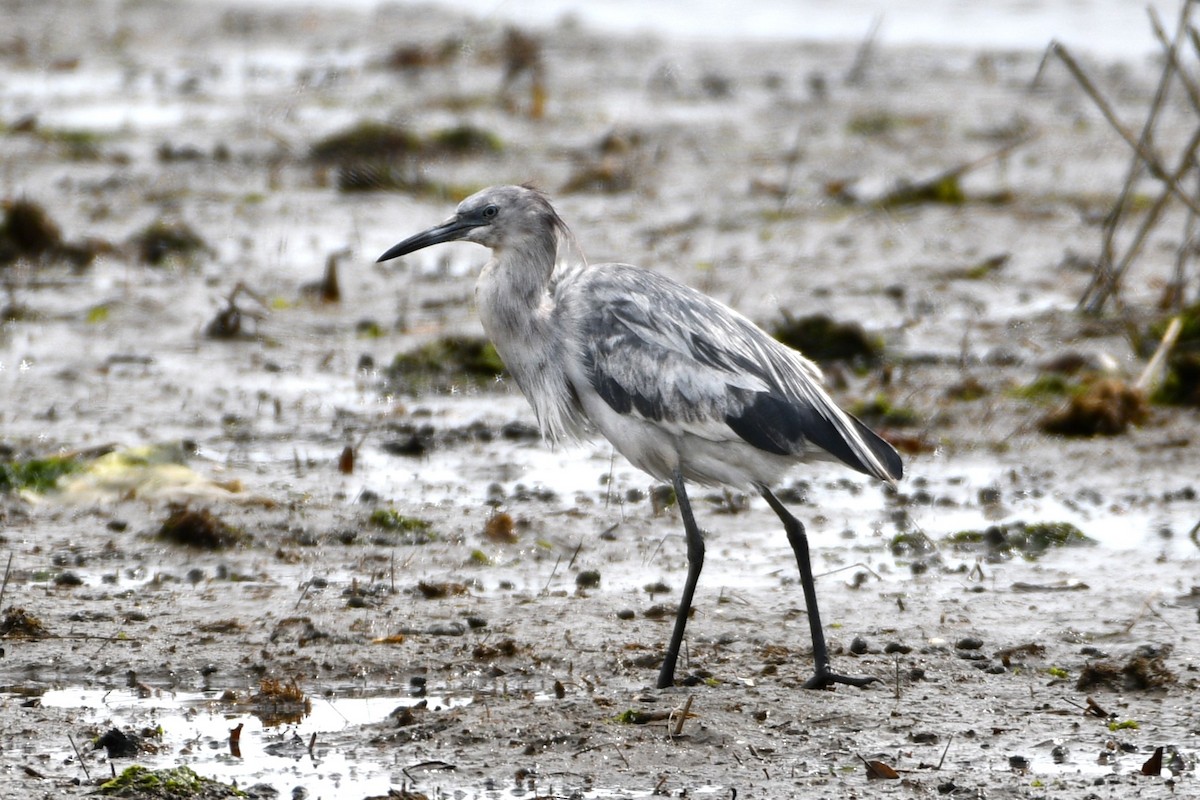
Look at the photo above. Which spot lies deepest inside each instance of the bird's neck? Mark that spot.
(515, 299)
(513, 294)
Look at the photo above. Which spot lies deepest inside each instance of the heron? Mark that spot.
(684, 387)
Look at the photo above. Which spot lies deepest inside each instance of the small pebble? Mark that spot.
(446, 629)
(969, 643)
(858, 646)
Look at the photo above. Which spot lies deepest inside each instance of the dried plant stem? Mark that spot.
(1148, 157)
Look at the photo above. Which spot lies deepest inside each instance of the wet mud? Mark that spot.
(228, 506)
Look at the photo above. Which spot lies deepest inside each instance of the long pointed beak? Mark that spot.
(449, 231)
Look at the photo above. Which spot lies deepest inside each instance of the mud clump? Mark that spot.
(27, 231)
(20, 624)
(824, 339)
(200, 529)
(1144, 670)
(118, 744)
(1104, 407)
(588, 579)
(164, 240)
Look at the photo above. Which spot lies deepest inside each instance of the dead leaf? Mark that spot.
(1153, 765)
(877, 770)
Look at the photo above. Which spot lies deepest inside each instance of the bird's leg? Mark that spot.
(824, 677)
(695, 550)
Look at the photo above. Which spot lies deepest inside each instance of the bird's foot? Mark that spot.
(824, 679)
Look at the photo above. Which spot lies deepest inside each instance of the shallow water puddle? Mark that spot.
(196, 730)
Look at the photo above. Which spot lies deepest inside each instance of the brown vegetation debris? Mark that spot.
(503, 649)
(1027, 650)
(415, 57)
(1105, 407)
(201, 529)
(19, 623)
(440, 589)
(220, 626)
(280, 702)
(1145, 669)
(522, 55)
(500, 528)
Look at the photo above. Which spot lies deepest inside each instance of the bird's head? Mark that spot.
(498, 217)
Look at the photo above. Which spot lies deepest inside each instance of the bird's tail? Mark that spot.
(876, 458)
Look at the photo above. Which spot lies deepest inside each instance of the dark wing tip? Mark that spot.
(780, 426)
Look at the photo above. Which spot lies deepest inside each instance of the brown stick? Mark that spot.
(1113, 279)
(4, 585)
(687, 706)
(1148, 157)
(79, 755)
(1105, 282)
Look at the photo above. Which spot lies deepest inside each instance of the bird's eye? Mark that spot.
(489, 212)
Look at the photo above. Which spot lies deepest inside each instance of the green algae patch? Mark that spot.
(177, 783)
(464, 140)
(391, 520)
(366, 141)
(1027, 539)
(1181, 381)
(880, 410)
(1044, 535)
(36, 474)
(942, 190)
(446, 363)
(1043, 389)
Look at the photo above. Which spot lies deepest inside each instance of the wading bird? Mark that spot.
(684, 387)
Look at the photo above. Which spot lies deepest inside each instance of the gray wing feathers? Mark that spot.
(670, 354)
